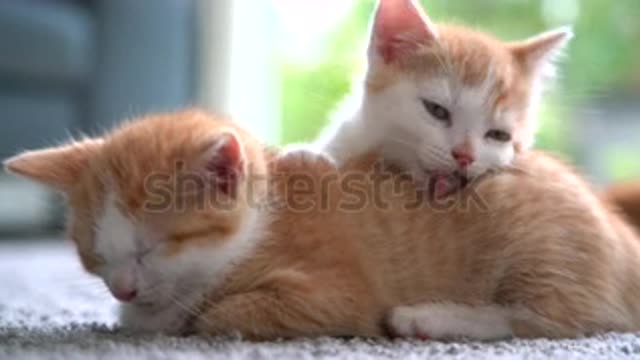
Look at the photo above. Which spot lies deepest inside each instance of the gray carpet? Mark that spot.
(50, 310)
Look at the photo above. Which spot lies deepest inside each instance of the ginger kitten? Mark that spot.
(194, 226)
(157, 252)
(445, 102)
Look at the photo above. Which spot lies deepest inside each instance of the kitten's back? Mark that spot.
(538, 238)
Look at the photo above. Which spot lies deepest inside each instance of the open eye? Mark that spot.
(498, 135)
(437, 111)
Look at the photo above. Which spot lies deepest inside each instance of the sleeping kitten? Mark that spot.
(194, 226)
(157, 256)
(447, 103)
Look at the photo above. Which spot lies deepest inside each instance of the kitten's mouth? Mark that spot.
(152, 306)
(442, 185)
(151, 302)
(146, 304)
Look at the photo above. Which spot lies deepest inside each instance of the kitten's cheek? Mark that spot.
(505, 160)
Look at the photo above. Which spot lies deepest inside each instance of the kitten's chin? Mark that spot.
(442, 185)
(141, 307)
(171, 320)
(149, 305)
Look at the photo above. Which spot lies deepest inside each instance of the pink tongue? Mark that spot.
(442, 186)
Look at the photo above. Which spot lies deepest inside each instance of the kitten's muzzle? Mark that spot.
(122, 284)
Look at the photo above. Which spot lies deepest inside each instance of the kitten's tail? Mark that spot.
(626, 196)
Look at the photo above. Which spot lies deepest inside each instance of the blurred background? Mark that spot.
(70, 67)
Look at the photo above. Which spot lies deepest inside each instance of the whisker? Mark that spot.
(191, 310)
(180, 304)
(439, 154)
(438, 150)
(401, 142)
(432, 152)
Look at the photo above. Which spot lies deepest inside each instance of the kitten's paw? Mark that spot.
(306, 154)
(403, 322)
(446, 320)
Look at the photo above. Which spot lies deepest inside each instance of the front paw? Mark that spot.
(402, 321)
(306, 154)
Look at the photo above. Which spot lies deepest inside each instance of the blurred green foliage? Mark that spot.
(310, 94)
(602, 60)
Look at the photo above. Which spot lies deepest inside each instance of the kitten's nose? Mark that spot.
(125, 295)
(122, 284)
(463, 157)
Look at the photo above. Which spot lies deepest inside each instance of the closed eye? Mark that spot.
(438, 111)
(140, 259)
(141, 254)
(98, 260)
(498, 135)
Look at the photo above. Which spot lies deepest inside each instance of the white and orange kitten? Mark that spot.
(442, 100)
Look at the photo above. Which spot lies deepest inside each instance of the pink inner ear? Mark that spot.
(226, 164)
(400, 26)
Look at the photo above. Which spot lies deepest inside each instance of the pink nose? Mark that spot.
(125, 295)
(122, 283)
(463, 158)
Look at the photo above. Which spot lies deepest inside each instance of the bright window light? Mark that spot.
(303, 25)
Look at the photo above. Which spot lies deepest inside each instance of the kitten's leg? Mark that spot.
(569, 318)
(448, 320)
(306, 153)
(289, 311)
(344, 140)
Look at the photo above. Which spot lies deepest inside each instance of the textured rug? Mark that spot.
(49, 309)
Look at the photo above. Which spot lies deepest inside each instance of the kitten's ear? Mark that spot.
(538, 53)
(57, 167)
(225, 162)
(399, 26)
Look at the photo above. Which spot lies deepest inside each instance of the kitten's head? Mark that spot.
(157, 207)
(449, 98)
